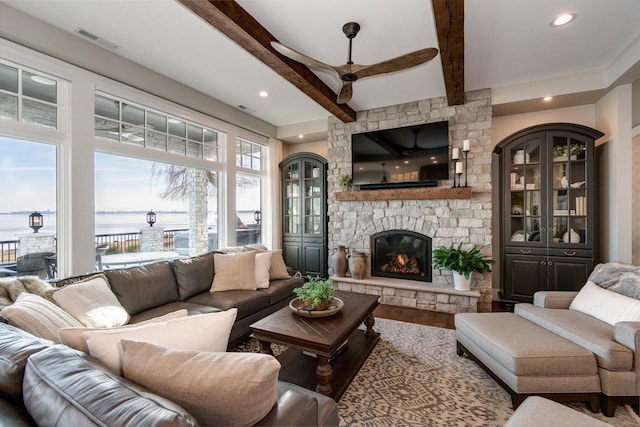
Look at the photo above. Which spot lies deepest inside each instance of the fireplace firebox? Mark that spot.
(401, 254)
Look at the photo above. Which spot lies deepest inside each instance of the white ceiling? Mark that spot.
(507, 43)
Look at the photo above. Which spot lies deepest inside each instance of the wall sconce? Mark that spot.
(35, 221)
(151, 218)
(257, 217)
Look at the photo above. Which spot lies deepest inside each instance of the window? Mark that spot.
(121, 121)
(249, 154)
(28, 97)
(28, 177)
(180, 196)
(248, 209)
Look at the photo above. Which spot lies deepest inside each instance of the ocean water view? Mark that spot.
(107, 222)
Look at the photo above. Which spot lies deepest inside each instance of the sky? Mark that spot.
(28, 182)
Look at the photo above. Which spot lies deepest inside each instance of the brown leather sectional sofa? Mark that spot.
(56, 385)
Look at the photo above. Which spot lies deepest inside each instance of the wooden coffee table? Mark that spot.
(335, 365)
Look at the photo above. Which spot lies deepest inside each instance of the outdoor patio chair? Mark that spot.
(33, 264)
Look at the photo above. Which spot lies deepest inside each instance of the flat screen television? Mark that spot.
(413, 156)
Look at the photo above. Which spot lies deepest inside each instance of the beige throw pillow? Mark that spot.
(202, 332)
(263, 264)
(234, 271)
(278, 269)
(218, 389)
(38, 316)
(92, 302)
(74, 337)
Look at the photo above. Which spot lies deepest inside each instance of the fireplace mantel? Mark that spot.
(405, 194)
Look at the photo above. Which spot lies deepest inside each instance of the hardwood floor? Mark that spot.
(413, 315)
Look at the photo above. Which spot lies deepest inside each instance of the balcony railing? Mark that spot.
(118, 243)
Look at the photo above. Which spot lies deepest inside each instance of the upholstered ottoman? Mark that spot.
(537, 411)
(527, 359)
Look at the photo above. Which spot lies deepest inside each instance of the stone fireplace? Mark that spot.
(401, 254)
(441, 214)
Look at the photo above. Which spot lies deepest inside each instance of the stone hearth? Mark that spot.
(352, 220)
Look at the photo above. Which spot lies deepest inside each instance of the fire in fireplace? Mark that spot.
(401, 254)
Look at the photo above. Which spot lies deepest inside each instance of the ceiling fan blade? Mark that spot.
(402, 62)
(303, 59)
(346, 91)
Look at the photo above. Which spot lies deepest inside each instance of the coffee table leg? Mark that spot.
(369, 322)
(323, 375)
(265, 347)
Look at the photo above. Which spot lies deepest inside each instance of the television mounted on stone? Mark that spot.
(412, 156)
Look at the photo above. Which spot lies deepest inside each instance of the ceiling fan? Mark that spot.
(351, 72)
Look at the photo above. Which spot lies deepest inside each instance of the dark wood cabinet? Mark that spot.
(547, 193)
(304, 213)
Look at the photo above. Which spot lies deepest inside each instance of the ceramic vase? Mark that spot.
(357, 264)
(460, 283)
(339, 261)
(571, 237)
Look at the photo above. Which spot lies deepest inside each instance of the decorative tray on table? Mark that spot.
(335, 305)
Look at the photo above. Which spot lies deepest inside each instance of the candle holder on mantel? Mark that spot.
(466, 147)
(455, 155)
(458, 171)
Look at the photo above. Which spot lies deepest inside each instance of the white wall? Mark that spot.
(613, 117)
(503, 126)
(320, 147)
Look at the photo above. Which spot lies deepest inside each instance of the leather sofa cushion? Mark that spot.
(171, 307)
(63, 387)
(16, 346)
(279, 290)
(194, 275)
(586, 331)
(14, 415)
(247, 302)
(144, 287)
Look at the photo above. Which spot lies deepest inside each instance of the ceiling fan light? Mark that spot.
(563, 19)
(547, 98)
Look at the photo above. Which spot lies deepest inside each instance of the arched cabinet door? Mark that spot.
(546, 194)
(304, 213)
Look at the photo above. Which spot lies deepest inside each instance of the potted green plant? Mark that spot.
(562, 151)
(462, 262)
(315, 294)
(345, 181)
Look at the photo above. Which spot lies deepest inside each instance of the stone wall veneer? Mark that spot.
(446, 221)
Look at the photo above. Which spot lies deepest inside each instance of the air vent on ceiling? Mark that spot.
(100, 41)
(246, 109)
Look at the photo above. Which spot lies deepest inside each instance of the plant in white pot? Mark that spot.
(462, 262)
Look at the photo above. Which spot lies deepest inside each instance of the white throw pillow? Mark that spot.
(234, 272)
(218, 389)
(263, 263)
(74, 337)
(608, 306)
(203, 332)
(278, 268)
(92, 302)
(38, 316)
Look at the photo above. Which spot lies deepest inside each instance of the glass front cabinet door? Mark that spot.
(304, 213)
(547, 218)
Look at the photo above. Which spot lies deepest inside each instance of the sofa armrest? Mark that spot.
(554, 299)
(628, 334)
(298, 406)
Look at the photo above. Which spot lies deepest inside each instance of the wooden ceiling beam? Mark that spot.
(231, 19)
(449, 16)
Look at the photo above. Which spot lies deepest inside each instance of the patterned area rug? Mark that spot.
(414, 378)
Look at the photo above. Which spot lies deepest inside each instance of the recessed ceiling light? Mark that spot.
(563, 19)
(432, 158)
(547, 98)
(43, 80)
(406, 162)
(397, 167)
(300, 136)
(361, 169)
(263, 93)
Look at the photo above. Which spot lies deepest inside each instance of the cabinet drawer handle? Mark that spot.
(543, 262)
(569, 253)
(543, 229)
(549, 263)
(522, 251)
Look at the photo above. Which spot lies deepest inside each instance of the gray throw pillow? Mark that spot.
(618, 277)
